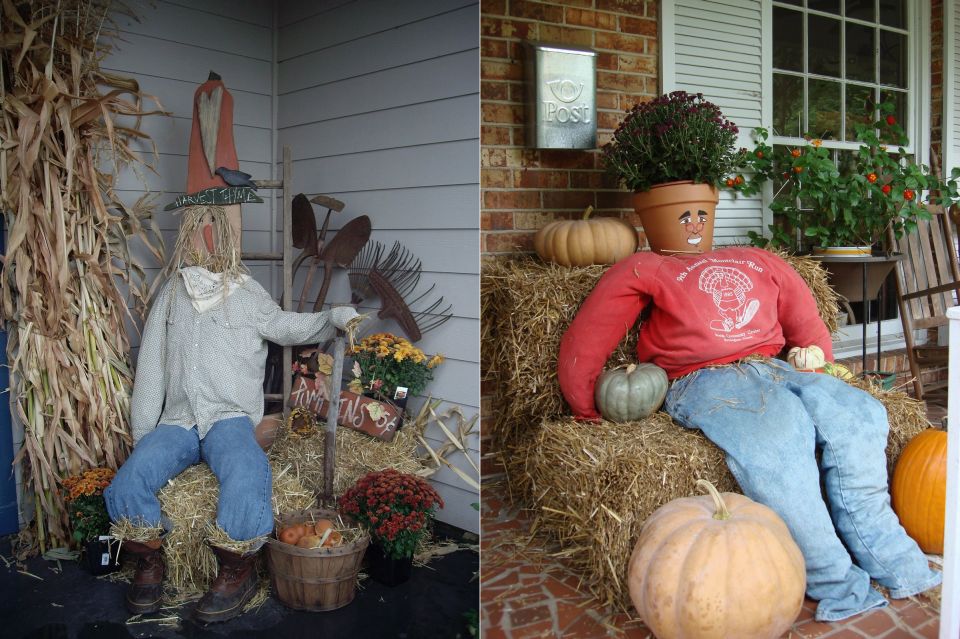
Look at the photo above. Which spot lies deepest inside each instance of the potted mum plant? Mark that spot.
(673, 152)
(846, 209)
(389, 368)
(87, 513)
(396, 508)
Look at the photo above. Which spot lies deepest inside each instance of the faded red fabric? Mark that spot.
(198, 173)
(712, 308)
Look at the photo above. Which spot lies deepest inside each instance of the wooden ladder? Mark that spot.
(286, 256)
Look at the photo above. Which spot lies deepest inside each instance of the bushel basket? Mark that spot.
(314, 579)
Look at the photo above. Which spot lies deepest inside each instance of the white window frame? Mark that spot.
(850, 338)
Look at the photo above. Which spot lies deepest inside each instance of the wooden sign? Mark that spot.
(364, 414)
(218, 195)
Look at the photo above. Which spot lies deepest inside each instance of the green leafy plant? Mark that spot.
(875, 188)
(395, 507)
(86, 508)
(383, 361)
(678, 136)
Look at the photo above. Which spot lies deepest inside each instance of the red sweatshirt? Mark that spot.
(706, 309)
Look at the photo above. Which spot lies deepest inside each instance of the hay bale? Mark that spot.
(591, 486)
(189, 501)
(357, 454)
(526, 306)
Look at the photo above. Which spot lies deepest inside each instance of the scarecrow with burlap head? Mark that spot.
(198, 392)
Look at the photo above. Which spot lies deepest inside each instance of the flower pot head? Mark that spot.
(678, 136)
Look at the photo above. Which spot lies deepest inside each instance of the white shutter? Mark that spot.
(715, 47)
(951, 86)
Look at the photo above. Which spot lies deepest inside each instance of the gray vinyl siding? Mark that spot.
(714, 47)
(379, 102)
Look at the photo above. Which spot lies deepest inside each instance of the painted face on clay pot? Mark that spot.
(693, 226)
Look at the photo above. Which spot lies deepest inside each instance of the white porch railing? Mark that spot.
(950, 604)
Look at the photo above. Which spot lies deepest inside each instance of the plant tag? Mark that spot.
(105, 538)
(105, 559)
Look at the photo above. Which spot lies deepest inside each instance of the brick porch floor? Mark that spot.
(525, 593)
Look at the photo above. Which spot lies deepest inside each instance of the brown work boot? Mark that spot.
(143, 595)
(234, 586)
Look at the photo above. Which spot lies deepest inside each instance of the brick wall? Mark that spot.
(523, 189)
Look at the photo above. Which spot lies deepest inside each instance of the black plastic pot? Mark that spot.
(100, 556)
(386, 570)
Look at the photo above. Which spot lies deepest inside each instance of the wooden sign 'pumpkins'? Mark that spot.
(601, 240)
(718, 566)
(919, 489)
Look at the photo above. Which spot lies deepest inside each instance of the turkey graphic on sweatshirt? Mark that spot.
(728, 287)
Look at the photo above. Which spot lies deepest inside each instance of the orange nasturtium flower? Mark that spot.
(908, 194)
(795, 153)
(871, 178)
(798, 169)
(817, 142)
(738, 179)
(730, 182)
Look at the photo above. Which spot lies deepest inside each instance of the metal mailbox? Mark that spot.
(561, 97)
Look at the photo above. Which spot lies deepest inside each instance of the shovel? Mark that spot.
(332, 205)
(341, 250)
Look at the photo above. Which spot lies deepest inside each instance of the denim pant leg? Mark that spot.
(852, 431)
(245, 508)
(770, 444)
(161, 455)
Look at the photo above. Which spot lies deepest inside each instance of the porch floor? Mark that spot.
(526, 594)
(435, 602)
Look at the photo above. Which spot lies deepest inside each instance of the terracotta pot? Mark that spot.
(678, 217)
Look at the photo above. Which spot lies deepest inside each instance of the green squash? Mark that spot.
(632, 393)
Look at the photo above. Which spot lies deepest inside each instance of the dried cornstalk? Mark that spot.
(67, 130)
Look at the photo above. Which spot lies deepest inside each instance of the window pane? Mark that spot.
(787, 105)
(787, 39)
(893, 58)
(893, 13)
(824, 109)
(899, 99)
(861, 10)
(859, 100)
(860, 53)
(828, 6)
(824, 46)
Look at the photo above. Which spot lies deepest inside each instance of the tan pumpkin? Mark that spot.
(718, 566)
(602, 240)
(919, 489)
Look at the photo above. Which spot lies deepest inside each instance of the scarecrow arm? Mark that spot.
(150, 386)
(602, 321)
(797, 312)
(287, 329)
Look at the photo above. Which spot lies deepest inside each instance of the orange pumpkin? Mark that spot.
(919, 489)
(292, 534)
(718, 566)
(602, 240)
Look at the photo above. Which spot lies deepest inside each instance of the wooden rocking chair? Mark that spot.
(928, 281)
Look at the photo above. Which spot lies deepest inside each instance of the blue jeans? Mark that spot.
(770, 420)
(244, 509)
